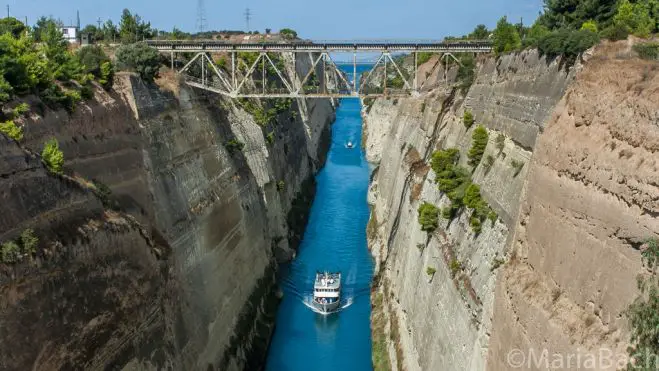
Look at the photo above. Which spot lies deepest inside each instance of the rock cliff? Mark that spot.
(570, 209)
(183, 275)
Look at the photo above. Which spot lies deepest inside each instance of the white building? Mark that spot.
(70, 33)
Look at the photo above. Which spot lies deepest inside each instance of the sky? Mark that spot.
(312, 19)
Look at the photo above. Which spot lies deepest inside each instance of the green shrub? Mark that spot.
(643, 316)
(139, 58)
(92, 57)
(455, 266)
(647, 50)
(468, 119)
(428, 217)
(270, 137)
(29, 242)
(478, 145)
(12, 26)
(650, 253)
(9, 252)
(430, 271)
(52, 156)
(423, 57)
(20, 110)
(448, 213)
(281, 185)
(567, 43)
(234, 145)
(517, 165)
(106, 79)
(466, 72)
(496, 263)
(492, 216)
(590, 25)
(11, 130)
(444, 160)
(615, 32)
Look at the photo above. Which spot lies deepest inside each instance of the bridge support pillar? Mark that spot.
(172, 57)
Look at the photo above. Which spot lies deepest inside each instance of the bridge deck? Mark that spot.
(346, 46)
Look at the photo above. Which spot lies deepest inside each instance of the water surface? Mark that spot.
(334, 240)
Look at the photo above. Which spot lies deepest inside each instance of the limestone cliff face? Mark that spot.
(445, 320)
(192, 286)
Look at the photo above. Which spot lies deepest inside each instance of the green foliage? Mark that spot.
(468, 119)
(567, 43)
(270, 137)
(492, 216)
(428, 217)
(635, 18)
(650, 253)
(506, 38)
(478, 144)
(466, 72)
(615, 32)
(139, 58)
(234, 145)
(455, 266)
(281, 185)
(9, 252)
(647, 50)
(517, 165)
(496, 263)
(20, 110)
(12, 26)
(29, 242)
(430, 271)
(106, 79)
(132, 29)
(589, 26)
(444, 160)
(11, 130)
(480, 33)
(92, 58)
(288, 33)
(573, 13)
(52, 156)
(96, 32)
(643, 316)
(535, 34)
(40, 27)
(423, 57)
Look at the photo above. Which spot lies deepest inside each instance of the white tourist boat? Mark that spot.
(350, 144)
(327, 292)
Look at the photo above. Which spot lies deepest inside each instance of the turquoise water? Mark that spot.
(334, 240)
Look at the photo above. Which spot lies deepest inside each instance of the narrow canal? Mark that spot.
(334, 240)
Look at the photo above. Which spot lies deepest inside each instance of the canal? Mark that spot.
(334, 240)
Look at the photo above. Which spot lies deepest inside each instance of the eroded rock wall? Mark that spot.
(202, 296)
(443, 320)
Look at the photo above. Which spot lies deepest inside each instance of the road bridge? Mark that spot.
(256, 71)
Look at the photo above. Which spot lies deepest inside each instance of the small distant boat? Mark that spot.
(327, 292)
(350, 145)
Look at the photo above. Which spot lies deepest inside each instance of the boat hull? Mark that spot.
(327, 307)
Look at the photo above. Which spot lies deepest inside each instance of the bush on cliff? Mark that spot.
(234, 145)
(647, 50)
(468, 119)
(506, 37)
(11, 130)
(53, 156)
(96, 63)
(139, 58)
(479, 143)
(428, 217)
(288, 33)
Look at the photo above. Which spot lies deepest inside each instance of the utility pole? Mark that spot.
(7, 10)
(99, 22)
(248, 17)
(201, 16)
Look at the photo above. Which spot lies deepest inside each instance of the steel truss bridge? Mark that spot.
(254, 70)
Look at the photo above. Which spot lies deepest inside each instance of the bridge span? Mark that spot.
(323, 78)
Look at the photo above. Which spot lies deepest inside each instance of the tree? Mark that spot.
(110, 31)
(589, 26)
(635, 17)
(288, 33)
(479, 142)
(506, 38)
(41, 25)
(52, 156)
(132, 29)
(13, 26)
(91, 58)
(139, 58)
(480, 32)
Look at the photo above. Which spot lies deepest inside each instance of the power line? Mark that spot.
(248, 17)
(201, 16)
